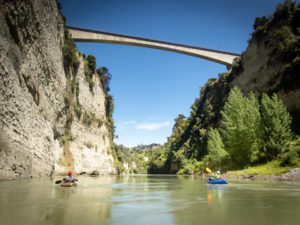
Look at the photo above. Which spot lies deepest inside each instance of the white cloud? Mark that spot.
(152, 126)
(129, 122)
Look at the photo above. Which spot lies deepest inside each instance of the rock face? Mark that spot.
(90, 145)
(32, 86)
(264, 70)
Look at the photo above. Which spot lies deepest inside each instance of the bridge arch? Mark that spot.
(85, 35)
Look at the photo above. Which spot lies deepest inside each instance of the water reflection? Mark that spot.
(141, 198)
(147, 200)
(42, 202)
(57, 213)
(215, 191)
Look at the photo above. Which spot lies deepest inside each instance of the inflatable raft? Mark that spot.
(214, 181)
(68, 184)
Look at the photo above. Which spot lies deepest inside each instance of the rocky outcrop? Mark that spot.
(32, 98)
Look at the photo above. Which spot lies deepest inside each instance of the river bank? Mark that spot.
(292, 176)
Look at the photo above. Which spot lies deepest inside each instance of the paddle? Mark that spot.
(59, 181)
(208, 170)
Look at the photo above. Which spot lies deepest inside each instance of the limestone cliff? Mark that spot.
(90, 141)
(38, 137)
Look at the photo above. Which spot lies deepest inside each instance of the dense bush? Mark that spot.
(290, 153)
(210, 82)
(105, 78)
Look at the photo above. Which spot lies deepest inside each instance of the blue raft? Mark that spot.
(214, 181)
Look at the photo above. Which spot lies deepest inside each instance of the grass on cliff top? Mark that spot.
(266, 169)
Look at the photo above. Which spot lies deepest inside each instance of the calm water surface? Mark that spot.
(148, 200)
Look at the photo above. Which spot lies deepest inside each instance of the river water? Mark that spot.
(148, 199)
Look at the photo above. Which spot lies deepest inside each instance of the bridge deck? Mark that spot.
(85, 35)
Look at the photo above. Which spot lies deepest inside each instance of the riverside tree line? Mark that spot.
(251, 132)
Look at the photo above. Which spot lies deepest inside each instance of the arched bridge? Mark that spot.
(84, 35)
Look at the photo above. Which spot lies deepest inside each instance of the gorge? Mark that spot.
(56, 113)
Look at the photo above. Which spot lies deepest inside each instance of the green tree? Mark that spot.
(91, 63)
(241, 127)
(179, 126)
(276, 123)
(216, 149)
(105, 78)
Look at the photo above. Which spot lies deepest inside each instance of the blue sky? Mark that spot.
(151, 87)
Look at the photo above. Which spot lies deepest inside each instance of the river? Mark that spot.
(148, 199)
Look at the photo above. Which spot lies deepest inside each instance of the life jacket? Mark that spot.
(215, 176)
(70, 179)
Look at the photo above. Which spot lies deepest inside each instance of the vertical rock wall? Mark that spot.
(90, 146)
(32, 88)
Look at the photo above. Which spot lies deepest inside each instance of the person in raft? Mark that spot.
(216, 176)
(70, 178)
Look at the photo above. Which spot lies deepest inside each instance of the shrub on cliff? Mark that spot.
(78, 111)
(105, 78)
(89, 70)
(88, 118)
(69, 51)
(287, 12)
(91, 63)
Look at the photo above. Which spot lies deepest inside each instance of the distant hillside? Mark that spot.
(149, 147)
(136, 159)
